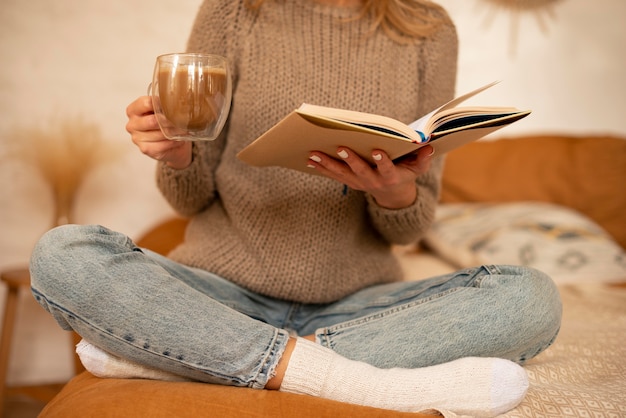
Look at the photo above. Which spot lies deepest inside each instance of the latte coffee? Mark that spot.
(192, 97)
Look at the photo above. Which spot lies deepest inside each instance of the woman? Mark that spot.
(286, 280)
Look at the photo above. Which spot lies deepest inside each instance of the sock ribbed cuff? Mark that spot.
(308, 369)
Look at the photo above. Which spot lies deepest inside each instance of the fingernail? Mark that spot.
(315, 158)
(343, 154)
(310, 166)
(377, 157)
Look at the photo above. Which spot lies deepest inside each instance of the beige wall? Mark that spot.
(571, 75)
(90, 58)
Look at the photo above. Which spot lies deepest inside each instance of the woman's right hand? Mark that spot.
(146, 134)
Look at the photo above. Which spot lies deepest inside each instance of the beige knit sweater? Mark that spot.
(280, 232)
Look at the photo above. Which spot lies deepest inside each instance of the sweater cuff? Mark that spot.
(406, 225)
(179, 185)
(194, 162)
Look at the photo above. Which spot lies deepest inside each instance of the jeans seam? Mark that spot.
(327, 332)
(184, 363)
(267, 368)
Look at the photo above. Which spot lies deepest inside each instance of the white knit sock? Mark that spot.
(103, 364)
(480, 387)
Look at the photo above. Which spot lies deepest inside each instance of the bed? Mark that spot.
(557, 203)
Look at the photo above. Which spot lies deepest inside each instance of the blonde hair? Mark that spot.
(402, 20)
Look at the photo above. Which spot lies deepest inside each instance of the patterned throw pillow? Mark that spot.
(559, 241)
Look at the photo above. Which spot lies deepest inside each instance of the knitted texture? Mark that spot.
(284, 233)
(474, 386)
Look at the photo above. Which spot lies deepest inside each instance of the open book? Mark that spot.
(317, 128)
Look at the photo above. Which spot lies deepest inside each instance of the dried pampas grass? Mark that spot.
(64, 154)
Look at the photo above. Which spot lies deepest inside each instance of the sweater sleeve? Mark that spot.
(438, 77)
(408, 225)
(191, 190)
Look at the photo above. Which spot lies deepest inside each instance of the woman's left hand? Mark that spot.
(391, 184)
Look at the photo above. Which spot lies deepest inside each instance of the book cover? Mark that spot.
(316, 128)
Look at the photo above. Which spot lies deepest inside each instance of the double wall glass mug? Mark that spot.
(191, 95)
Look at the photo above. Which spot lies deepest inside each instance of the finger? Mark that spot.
(384, 165)
(329, 167)
(140, 116)
(417, 162)
(424, 158)
(159, 149)
(147, 123)
(140, 106)
(148, 137)
(138, 124)
(358, 165)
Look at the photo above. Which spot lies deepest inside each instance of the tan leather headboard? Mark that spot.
(585, 173)
(164, 236)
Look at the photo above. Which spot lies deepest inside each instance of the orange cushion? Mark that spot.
(88, 396)
(165, 236)
(587, 174)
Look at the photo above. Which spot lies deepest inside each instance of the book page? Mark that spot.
(461, 113)
(424, 124)
(384, 124)
(473, 121)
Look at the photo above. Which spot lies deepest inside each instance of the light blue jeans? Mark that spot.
(146, 308)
